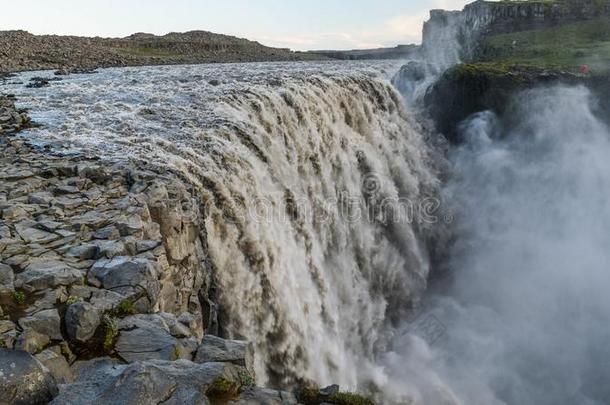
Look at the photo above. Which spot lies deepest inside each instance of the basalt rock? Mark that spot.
(153, 381)
(24, 380)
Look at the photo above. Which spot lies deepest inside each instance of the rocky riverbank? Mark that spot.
(22, 51)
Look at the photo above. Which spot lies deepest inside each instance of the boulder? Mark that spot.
(127, 275)
(24, 380)
(45, 322)
(82, 319)
(146, 337)
(57, 365)
(215, 349)
(153, 381)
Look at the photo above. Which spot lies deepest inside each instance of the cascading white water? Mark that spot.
(526, 308)
(312, 177)
(313, 285)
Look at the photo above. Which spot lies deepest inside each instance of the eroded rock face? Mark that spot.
(24, 380)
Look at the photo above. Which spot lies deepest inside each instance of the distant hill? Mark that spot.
(398, 52)
(20, 50)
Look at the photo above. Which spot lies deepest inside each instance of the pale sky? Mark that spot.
(295, 24)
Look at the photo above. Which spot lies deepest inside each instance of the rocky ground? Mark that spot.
(104, 289)
(22, 51)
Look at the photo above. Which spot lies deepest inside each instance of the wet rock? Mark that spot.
(215, 349)
(82, 319)
(53, 360)
(153, 381)
(24, 380)
(330, 390)
(46, 322)
(37, 82)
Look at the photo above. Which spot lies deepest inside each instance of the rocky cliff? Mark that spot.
(470, 88)
(484, 18)
(509, 46)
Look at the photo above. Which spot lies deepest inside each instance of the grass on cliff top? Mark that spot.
(565, 47)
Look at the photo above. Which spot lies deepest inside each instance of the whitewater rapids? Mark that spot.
(302, 170)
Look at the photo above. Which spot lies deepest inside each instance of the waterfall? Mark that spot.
(317, 189)
(309, 265)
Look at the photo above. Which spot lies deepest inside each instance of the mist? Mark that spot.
(524, 312)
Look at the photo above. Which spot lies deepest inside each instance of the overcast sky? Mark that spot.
(296, 24)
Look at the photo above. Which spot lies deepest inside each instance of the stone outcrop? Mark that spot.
(20, 51)
(82, 243)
